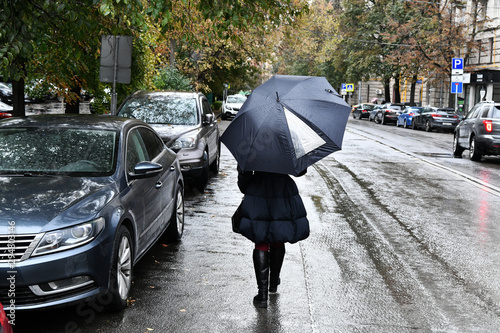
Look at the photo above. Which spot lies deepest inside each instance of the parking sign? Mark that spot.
(457, 66)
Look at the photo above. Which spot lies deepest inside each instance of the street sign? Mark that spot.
(457, 66)
(349, 87)
(456, 87)
(464, 78)
(343, 89)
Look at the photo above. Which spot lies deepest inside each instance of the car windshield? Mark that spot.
(57, 151)
(368, 107)
(394, 107)
(161, 109)
(236, 99)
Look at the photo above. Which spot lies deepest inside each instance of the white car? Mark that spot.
(232, 105)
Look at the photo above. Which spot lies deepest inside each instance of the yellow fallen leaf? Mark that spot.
(183, 310)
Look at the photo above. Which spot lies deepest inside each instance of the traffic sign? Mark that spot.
(456, 87)
(457, 66)
(349, 87)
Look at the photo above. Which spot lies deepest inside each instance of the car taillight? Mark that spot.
(434, 115)
(455, 116)
(488, 125)
(387, 110)
(411, 114)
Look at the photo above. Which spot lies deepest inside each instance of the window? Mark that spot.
(162, 109)
(495, 113)
(472, 111)
(136, 150)
(491, 50)
(206, 107)
(153, 143)
(485, 110)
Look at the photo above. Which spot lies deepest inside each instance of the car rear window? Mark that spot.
(495, 113)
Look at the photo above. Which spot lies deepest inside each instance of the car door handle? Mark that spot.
(172, 168)
(158, 184)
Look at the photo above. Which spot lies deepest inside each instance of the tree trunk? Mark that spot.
(18, 98)
(387, 90)
(412, 89)
(397, 94)
(73, 107)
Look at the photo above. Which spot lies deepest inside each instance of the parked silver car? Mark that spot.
(186, 123)
(479, 132)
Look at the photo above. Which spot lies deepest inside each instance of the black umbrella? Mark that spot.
(287, 124)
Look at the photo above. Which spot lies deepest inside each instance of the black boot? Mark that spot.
(261, 265)
(276, 257)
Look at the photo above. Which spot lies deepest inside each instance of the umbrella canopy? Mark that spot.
(287, 124)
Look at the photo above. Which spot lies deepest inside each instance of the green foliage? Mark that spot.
(170, 78)
(216, 106)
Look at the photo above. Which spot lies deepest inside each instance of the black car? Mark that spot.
(479, 132)
(433, 118)
(373, 112)
(187, 125)
(388, 113)
(362, 110)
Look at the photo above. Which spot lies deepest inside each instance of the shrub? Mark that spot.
(170, 78)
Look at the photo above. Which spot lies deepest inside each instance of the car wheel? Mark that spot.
(428, 126)
(457, 150)
(405, 125)
(223, 116)
(175, 229)
(474, 153)
(202, 181)
(121, 270)
(215, 166)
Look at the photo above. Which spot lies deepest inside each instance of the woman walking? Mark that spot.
(272, 214)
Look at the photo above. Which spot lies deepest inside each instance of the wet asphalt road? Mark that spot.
(404, 238)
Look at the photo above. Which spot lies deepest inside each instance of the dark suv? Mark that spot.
(389, 113)
(187, 125)
(479, 132)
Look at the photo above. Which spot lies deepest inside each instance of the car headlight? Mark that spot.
(188, 140)
(68, 238)
(229, 108)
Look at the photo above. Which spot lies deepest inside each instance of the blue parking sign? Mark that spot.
(456, 87)
(457, 63)
(344, 86)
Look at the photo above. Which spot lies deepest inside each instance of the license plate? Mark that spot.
(448, 124)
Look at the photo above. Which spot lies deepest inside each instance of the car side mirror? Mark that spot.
(146, 169)
(209, 119)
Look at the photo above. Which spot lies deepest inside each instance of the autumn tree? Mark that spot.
(59, 40)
